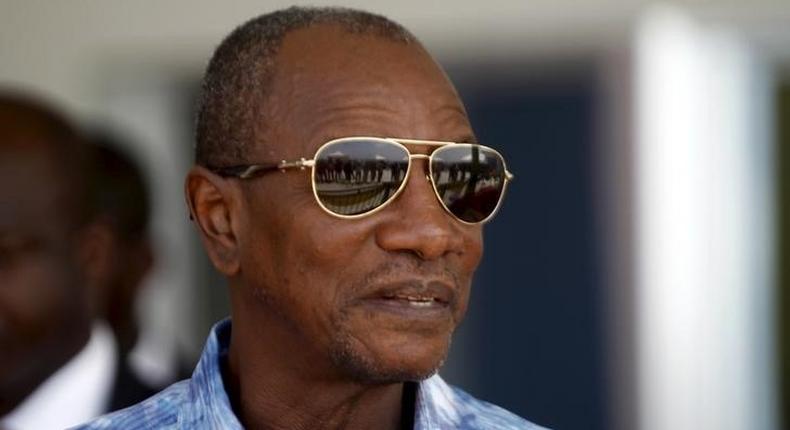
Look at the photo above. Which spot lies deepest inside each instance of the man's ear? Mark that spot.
(213, 203)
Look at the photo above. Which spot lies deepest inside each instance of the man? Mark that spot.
(349, 259)
(53, 350)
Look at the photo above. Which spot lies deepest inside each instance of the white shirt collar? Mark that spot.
(88, 377)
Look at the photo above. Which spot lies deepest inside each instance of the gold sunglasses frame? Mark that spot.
(255, 170)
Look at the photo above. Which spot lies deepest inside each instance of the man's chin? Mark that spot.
(374, 363)
(369, 373)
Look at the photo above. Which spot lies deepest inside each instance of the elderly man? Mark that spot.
(330, 191)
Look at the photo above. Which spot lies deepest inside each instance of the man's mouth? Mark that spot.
(416, 300)
(413, 299)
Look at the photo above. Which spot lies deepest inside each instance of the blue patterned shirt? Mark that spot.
(202, 403)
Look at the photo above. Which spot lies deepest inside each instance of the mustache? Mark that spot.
(410, 269)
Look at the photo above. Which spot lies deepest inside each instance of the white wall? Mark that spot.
(705, 282)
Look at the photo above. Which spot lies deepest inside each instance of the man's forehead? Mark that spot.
(333, 83)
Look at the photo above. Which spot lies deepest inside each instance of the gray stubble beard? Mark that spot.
(363, 369)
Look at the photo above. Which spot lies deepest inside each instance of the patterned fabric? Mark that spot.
(201, 402)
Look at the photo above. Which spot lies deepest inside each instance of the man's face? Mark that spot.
(381, 295)
(41, 300)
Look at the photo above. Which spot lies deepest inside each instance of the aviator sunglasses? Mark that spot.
(357, 176)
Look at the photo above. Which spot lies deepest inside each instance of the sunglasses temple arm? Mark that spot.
(260, 169)
(245, 171)
(300, 164)
(255, 170)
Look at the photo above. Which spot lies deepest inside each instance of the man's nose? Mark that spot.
(417, 223)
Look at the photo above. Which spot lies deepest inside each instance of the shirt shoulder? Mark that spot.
(196, 403)
(479, 414)
(445, 406)
(161, 411)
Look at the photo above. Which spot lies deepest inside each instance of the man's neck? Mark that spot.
(272, 395)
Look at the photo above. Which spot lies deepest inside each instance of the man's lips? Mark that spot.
(413, 299)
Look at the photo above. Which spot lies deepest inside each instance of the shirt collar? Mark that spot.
(88, 376)
(435, 405)
(212, 402)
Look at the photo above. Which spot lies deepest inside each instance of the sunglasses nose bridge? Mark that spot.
(421, 157)
(416, 171)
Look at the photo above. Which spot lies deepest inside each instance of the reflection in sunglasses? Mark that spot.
(357, 186)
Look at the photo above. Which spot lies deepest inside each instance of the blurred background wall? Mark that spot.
(636, 277)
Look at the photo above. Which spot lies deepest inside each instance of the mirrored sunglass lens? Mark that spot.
(469, 180)
(354, 177)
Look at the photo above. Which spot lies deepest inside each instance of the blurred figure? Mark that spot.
(50, 350)
(120, 200)
(53, 349)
